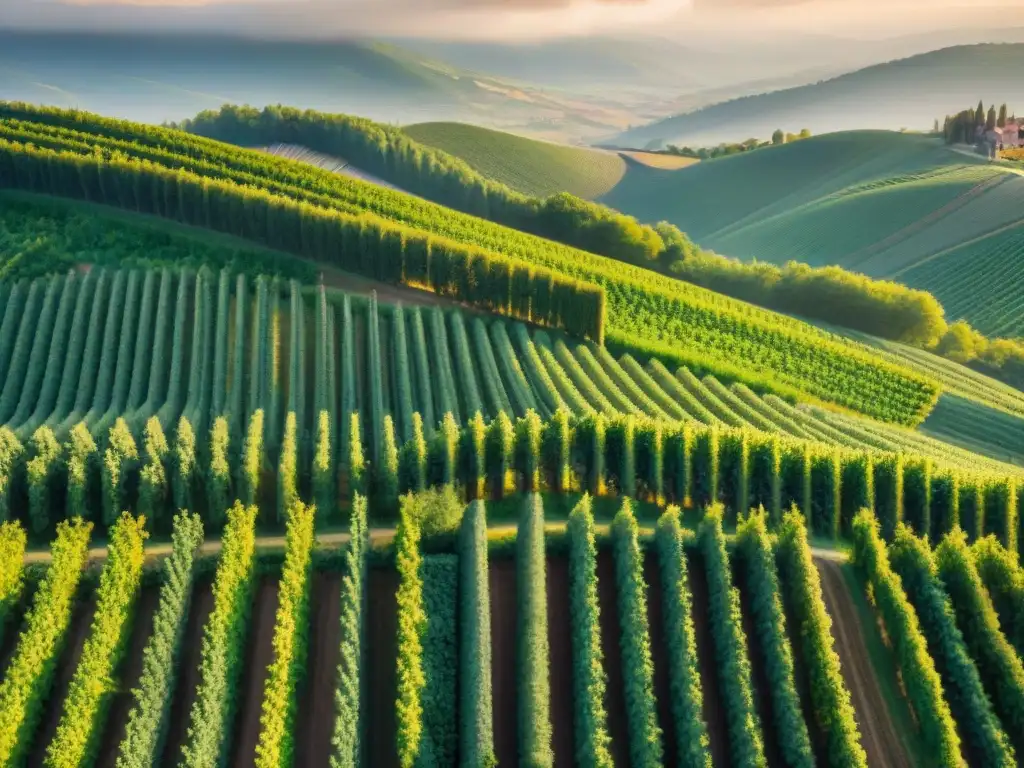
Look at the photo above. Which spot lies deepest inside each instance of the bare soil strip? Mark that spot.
(128, 676)
(759, 674)
(560, 643)
(78, 632)
(879, 735)
(188, 670)
(714, 713)
(259, 654)
(315, 721)
(382, 637)
(502, 580)
(611, 642)
(659, 652)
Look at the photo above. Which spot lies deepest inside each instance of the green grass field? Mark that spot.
(890, 205)
(529, 166)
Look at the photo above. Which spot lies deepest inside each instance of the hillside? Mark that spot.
(526, 165)
(907, 93)
(889, 205)
(155, 78)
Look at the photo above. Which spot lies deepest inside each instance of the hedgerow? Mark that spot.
(412, 626)
(12, 552)
(346, 742)
(288, 469)
(917, 495)
(80, 728)
(1001, 670)
(286, 673)
(620, 453)
(588, 451)
(745, 745)
(532, 653)
(146, 729)
(324, 481)
(527, 450)
(754, 550)
(685, 690)
(252, 459)
(476, 716)
(218, 472)
(412, 459)
(30, 672)
(153, 486)
(439, 745)
(766, 473)
(1001, 514)
(473, 457)
(733, 473)
(212, 716)
(183, 461)
(912, 560)
(917, 668)
(120, 459)
(830, 698)
(556, 449)
(11, 452)
(944, 509)
(826, 492)
(41, 472)
(888, 484)
(972, 507)
(1003, 578)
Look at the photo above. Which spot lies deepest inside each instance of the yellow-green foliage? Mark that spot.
(276, 745)
(29, 674)
(82, 454)
(153, 476)
(94, 683)
(12, 551)
(412, 626)
(40, 469)
(537, 168)
(10, 451)
(121, 455)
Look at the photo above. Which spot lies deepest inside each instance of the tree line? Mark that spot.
(963, 127)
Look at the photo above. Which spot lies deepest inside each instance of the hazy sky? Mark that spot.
(523, 19)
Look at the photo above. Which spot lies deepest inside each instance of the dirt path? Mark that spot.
(78, 632)
(502, 583)
(659, 654)
(315, 721)
(382, 637)
(611, 642)
(714, 711)
(259, 654)
(879, 736)
(128, 676)
(560, 644)
(188, 671)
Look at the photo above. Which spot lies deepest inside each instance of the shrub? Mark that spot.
(912, 560)
(11, 452)
(218, 473)
(440, 661)
(81, 463)
(288, 470)
(766, 474)
(183, 464)
(12, 553)
(527, 450)
(678, 482)
(41, 472)
(476, 717)
(917, 668)
(223, 651)
(412, 626)
(1001, 516)
(412, 459)
(733, 473)
(92, 687)
(532, 638)
(276, 744)
(148, 719)
(769, 623)
(858, 488)
(944, 513)
(500, 454)
(355, 463)
(917, 495)
(1004, 580)
(705, 467)
(999, 666)
(620, 453)
(888, 480)
(252, 459)
(346, 742)
(324, 487)
(745, 745)
(795, 481)
(588, 451)
(686, 694)
(473, 458)
(153, 476)
(832, 709)
(590, 725)
(556, 446)
(826, 493)
(972, 507)
(30, 671)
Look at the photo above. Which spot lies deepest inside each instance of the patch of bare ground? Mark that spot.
(382, 636)
(128, 676)
(188, 670)
(560, 643)
(259, 654)
(879, 735)
(759, 675)
(501, 577)
(659, 653)
(714, 713)
(611, 642)
(315, 721)
(74, 642)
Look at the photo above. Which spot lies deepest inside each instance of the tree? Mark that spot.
(1001, 120)
(979, 113)
(805, 133)
(935, 128)
(990, 122)
(779, 137)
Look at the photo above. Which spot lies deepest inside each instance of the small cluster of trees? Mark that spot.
(733, 148)
(963, 127)
(1000, 358)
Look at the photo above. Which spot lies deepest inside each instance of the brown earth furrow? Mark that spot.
(879, 736)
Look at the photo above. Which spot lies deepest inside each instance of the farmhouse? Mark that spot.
(1007, 136)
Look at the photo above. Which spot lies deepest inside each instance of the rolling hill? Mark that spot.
(890, 205)
(529, 166)
(907, 93)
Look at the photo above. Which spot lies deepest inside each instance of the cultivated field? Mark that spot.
(533, 167)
